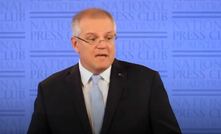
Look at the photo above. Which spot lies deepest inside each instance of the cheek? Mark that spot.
(112, 50)
(87, 53)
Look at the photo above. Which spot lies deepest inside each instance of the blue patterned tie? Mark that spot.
(97, 104)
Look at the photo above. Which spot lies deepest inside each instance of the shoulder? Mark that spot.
(135, 68)
(138, 74)
(59, 76)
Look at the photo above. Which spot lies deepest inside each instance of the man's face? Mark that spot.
(96, 57)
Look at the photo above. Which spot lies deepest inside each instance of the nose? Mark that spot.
(99, 41)
(101, 44)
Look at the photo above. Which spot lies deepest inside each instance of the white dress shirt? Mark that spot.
(87, 83)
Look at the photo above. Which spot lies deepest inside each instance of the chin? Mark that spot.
(102, 68)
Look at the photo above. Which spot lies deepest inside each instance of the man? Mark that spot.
(101, 94)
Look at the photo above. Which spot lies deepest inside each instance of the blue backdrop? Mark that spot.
(179, 38)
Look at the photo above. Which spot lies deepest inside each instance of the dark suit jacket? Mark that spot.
(137, 103)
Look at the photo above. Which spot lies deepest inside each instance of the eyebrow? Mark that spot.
(90, 34)
(96, 34)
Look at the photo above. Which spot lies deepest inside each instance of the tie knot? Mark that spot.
(95, 78)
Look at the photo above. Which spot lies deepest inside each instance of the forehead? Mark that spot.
(96, 25)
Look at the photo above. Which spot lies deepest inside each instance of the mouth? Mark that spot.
(101, 55)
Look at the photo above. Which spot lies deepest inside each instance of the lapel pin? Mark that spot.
(120, 74)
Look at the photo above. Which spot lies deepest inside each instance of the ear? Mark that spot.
(75, 44)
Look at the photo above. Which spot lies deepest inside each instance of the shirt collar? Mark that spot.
(86, 74)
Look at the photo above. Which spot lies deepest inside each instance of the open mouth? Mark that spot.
(101, 55)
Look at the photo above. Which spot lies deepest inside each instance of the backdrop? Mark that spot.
(179, 38)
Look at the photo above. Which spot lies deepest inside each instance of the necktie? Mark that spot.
(97, 104)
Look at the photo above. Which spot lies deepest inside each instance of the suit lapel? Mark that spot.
(116, 87)
(74, 83)
(117, 84)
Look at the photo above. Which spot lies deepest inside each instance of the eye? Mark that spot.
(109, 37)
(91, 38)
